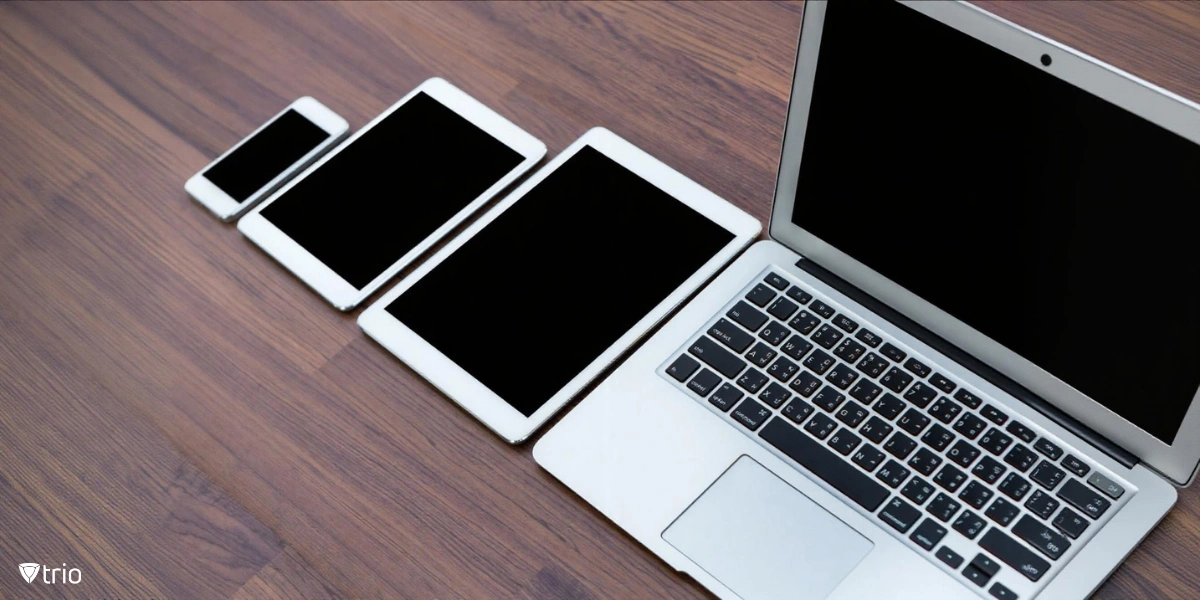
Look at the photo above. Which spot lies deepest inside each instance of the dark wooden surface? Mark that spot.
(179, 417)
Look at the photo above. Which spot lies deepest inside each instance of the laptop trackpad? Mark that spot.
(763, 539)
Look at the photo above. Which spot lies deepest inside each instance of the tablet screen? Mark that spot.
(540, 292)
(378, 198)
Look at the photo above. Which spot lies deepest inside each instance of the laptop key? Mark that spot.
(1048, 448)
(804, 322)
(774, 333)
(819, 362)
(993, 414)
(892, 474)
(1070, 523)
(1042, 504)
(1014, 486)
(889, 406)
(876, 430)
(868, 457)
(1013, 554)
(943, 507)
(967, 398)
(865, 391)
(760, 295)
(776, 281)
(725, 397)
(1075, 466)
(682, 368)
(1003, 512)
(747, 316)
(950, 478)
(940, 382)
(924, 461)
(899, 514)
(913, 422)
(828, 399)
(842, 376)
(896, 380)
(975, 494)
(752, 381)
(844, 442)
(917, 367)
(760, 355)
(820, 426)
(851, 413)
(717, 357)
(775, 395)
(963, 453)
(805, 384)
(821, 309)
(845, 323)
(900, 446)
(750, 414)
(1106, 485)
(1084, 498)
(989, 469)
(825, 464)
(850, 350)
(797, 410)
(920, 394)
(1042, 538)
(928, 534)
(872, 365)
(945, 410)
(1000, 592)
(975, 576)
(950, 557)
(995, 441)
(1020, 458)
(986, 564)
(969, 524)
(970, 426)
(937, 437)
(869, 338)
(1021, 431)
(731, 335)
(826, 337)
(892, 352)
(703, 384)
(1047, 475)
(783, 369)
(782, 308)
(799, 295)
(918, 490)
(796, 347)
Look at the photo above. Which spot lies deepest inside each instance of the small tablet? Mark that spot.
(374, 204)
(516, 315)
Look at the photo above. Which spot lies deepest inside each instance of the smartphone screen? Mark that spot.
(375, 200)
(264, 156)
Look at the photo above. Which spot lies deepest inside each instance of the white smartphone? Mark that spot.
(516, 315)
(267, 158)
(362, 213)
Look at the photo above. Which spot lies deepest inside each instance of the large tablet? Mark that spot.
(516, 315)
(370, 207)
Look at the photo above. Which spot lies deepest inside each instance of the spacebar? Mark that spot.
(824, 464)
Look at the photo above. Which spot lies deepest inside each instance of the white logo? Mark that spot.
(29, 571)
(56, 575)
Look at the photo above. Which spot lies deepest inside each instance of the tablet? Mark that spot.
(520, 312)
(374, 204)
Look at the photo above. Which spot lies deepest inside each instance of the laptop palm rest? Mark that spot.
(763, 539)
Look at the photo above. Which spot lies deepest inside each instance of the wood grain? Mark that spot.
(179, 417)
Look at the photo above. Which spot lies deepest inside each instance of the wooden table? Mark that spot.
(179, 417)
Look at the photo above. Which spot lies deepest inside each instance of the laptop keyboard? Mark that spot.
(983, 494)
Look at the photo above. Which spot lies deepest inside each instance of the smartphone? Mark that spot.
(267, 158)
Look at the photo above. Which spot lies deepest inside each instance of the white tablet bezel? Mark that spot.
(225, 207)
(323, 279)
(474, 396)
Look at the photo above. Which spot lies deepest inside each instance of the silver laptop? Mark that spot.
(965, 365)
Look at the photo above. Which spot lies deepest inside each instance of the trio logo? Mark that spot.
(30, 572)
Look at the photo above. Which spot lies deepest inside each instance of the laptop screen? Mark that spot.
(1052, 221)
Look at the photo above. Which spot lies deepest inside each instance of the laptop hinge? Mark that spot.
(960, 356)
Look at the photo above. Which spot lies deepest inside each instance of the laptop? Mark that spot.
(965, 364)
